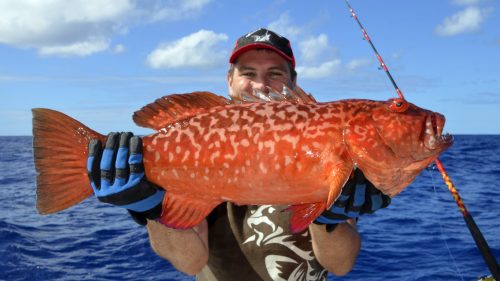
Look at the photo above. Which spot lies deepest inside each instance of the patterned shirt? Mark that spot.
(255, 243)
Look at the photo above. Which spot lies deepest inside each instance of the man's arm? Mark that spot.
(336, 251)
(336, 243)
(186, 250)
(121, 182)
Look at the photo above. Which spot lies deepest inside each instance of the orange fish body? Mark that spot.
(207, 151)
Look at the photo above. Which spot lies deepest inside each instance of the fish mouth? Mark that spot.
(433, 133)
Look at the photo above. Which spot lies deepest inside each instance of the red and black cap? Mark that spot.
(263, 38)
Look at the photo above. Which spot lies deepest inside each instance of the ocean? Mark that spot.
(420, 236)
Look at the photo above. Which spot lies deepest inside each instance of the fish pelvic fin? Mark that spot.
(304, 214)
(172, 108)
(60, 149)
(183, 211)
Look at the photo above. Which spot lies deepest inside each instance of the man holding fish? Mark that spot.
(243, 242)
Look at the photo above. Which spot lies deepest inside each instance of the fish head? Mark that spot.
(410, 131)
(393, 141)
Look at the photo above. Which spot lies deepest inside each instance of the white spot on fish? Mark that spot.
(223, 113)
(263, 168)
(186, 155)
(245, 143)
(157, 156)
(270, 144)
(280, 114)
(233, 128)
(299, 166)
(192, 175)
(292, 140)
(170, 157)
(288, 160)
(214, 156)
(174, 172)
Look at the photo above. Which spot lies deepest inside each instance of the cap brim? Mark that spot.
(252, 46)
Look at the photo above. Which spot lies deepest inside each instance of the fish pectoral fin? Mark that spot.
(338, 178)
(303, 215)
(183, 212)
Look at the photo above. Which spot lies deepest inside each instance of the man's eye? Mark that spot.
(248, 74)
(275, 74)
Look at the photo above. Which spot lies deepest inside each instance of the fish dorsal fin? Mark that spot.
(171, 108)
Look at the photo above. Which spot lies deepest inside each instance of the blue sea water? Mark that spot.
(420, 236)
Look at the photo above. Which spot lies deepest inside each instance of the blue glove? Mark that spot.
(117, 176)
(358, 197)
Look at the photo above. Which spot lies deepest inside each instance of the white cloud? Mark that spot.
(198, 49)
(356, 64)
(311, 49)
(284, 27)
(316, 57)
(178, 10)
(83, 48)
(118, 49)
(81, 27)
(323, 70)
(465, 2)
(467, 20)
(59, 27)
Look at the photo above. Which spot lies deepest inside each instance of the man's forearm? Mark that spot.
(336, 251)
(186, 250)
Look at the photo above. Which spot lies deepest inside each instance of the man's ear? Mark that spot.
(229, 79)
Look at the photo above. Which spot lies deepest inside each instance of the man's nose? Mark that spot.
(260, 84)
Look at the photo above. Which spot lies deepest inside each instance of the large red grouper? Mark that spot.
(207, 150)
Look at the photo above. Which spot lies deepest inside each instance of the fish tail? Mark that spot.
(60, 149)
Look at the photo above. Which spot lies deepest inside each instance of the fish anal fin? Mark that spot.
(183, 212)
(304, 214)
(169, 109)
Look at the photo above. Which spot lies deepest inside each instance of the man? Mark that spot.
(243, 242)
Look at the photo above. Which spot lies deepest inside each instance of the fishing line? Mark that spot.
(431, 170)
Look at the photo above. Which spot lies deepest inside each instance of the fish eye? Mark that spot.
(398, 105)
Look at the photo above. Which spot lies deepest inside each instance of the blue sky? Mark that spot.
(101, 63)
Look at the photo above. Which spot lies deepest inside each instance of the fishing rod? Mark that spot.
(481, 243)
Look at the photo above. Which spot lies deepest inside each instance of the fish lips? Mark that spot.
(434, 139)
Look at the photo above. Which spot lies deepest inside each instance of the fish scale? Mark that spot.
(264, 149)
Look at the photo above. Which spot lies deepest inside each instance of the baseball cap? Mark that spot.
(263, 38)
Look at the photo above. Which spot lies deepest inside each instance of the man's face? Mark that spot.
(256, 70)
